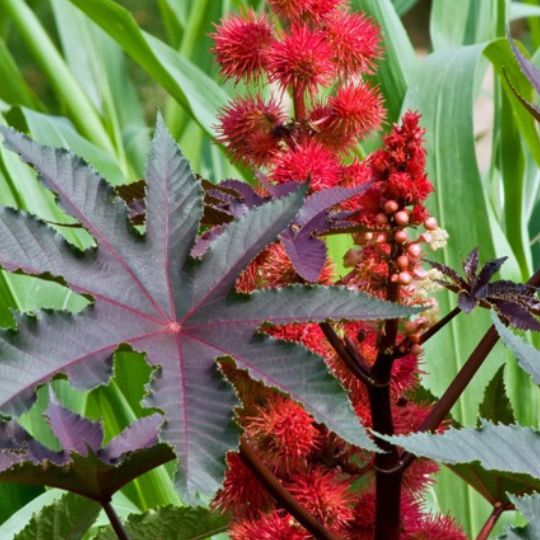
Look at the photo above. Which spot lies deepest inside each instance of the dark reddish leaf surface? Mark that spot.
(148, 292)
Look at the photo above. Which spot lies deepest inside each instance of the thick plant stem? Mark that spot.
(282, 496)
(489, 525)
(388, 484)
(115, 521)
(299, 104)
(439, 324)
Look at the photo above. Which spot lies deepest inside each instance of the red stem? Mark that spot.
(115, 521)
(387, 484)
(282, 496)
(430, 332)
(299, 104)
(489, 525)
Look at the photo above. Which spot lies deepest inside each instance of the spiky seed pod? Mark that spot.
(309, 161)
(355, 42)
(301, 61)
(247, 129)
(240, 45)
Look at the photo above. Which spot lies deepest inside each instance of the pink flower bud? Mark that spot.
(417, 350)
(426, 237)
(391, 206)
(381, 219)
(414, 338)
(420, 273)
(405, 278)
(430, 223)
(415, 250)
(394, 278)
(402, 217)
(381, 238)
(403, 261)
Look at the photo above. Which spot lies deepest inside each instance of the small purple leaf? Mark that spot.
(470, 266)
(249, 196)
(307, 254)
(487, 272)
(516, 315)
(466, 302)
(90, 474)
(205, 241)
(142, 434)
(448, 272)
(75, 433)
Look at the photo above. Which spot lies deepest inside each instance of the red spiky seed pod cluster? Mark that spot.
(318, 44)
(301, 47)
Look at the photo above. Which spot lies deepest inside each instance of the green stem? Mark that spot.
(60, 77)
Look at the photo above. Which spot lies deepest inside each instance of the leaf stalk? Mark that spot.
(114, 520)
(282, 495)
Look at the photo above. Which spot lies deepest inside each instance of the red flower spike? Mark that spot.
(301, 61)
(274, 526)
(240, 45)
(355, 110)
(314, 10)
(405, 373)
(409, 417)
(308, 161)
(355, 42)
(309, 335)
(247, 129)
(241, 492)
(419, 476)
(284, 433)
(289, 9)
(436, 528)
(327, 497)
(363, 524)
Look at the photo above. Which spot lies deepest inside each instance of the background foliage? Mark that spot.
(89, 75)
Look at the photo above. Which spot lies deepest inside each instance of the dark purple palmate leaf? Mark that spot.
(182, 313)
(82, 465)
(515, 303)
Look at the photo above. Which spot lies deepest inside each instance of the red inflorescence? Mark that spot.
(312, 136)
(284, 433)
(325, 496)
(313, 10)
(355, 42)
(248, 127)
(355, 110)
(241, 492)
(273, 526)
(241, 43)
(309, 161)
(301, 60)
